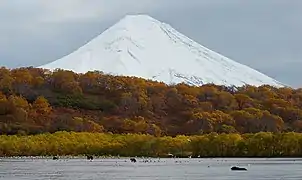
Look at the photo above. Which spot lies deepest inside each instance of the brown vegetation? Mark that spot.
(35, 101)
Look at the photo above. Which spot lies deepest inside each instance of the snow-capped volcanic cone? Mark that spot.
(141, 46)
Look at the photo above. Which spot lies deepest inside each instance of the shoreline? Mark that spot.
(124, 157)
(71, 144)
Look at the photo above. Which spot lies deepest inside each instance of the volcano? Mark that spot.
(141, 46)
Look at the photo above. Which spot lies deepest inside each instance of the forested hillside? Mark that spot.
(35, 101)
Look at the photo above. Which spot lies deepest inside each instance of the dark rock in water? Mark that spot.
(132, 159)
(55, 158)
(235, 168)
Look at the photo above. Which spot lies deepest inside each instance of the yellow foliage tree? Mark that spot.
(41, 105)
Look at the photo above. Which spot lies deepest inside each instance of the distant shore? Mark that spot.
(72, 144)
(140, 158)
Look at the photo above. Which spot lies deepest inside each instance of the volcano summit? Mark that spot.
(141, 46)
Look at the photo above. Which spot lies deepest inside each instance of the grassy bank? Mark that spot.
(100, 144)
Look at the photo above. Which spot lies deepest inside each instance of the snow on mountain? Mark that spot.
(141, 46)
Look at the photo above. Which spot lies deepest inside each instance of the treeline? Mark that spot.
(101, 144)
(34, 101)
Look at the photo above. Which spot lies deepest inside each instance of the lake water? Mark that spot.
(174, 169)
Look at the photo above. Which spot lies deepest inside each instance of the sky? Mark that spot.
(265, 35)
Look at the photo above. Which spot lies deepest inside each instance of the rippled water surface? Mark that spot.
(74, 169)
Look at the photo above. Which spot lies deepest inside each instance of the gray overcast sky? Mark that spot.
(264, 34)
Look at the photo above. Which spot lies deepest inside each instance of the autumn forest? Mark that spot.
(35, 102)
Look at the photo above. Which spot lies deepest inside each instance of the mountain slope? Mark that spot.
(141, 46)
